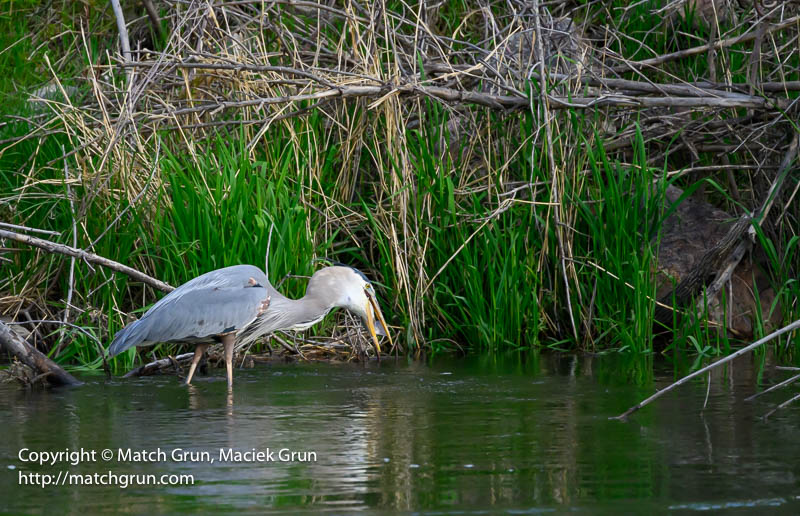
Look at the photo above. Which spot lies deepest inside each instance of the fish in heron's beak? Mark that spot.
(376, 324)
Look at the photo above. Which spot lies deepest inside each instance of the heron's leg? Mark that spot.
(227, 342)
(198, 354)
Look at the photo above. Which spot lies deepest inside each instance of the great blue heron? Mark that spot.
(239, 303)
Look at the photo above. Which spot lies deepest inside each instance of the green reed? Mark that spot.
(485, 267)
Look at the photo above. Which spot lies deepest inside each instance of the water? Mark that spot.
(487, 435)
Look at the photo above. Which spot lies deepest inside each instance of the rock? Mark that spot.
(691, 231)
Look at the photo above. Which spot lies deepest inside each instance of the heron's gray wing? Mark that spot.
(197, 312)
(228, 277)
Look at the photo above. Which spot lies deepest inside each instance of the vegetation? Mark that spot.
(487, 227)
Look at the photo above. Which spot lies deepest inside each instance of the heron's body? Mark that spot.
(238, 303)
(218, 302)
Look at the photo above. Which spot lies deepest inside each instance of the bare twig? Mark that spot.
(74, 245)
(782, 405)
(124, 41)
(784, 383)
(287, 347)
(786, 329)
(504, 205)
(717, 44)
(154, 20)
(25, 228)
(53, 247)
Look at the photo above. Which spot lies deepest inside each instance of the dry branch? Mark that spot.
(158, 366)
(26, 228)
(501, 102)
(784, 383)
(53, 247)
(716, 45)
(709, 367)
(245, 63)
(692, 89)
(783, 405)
(124, 41)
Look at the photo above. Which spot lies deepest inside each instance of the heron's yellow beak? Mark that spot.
(373, 311)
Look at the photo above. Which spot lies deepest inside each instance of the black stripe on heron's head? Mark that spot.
(340, 264)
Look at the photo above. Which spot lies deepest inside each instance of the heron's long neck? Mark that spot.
(289, 314)
(299, 314)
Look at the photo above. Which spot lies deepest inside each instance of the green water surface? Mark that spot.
(483, 435)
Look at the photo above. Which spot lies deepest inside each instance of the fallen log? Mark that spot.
(33, 358)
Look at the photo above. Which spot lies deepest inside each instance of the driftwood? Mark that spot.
(53, 247)
(34, 358)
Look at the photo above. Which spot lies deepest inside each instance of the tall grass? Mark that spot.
(214, 207)
(451, 211)
(620, 227)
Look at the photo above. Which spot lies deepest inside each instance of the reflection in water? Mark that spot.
(497, 432)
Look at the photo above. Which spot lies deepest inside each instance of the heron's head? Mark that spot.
(350, 289)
